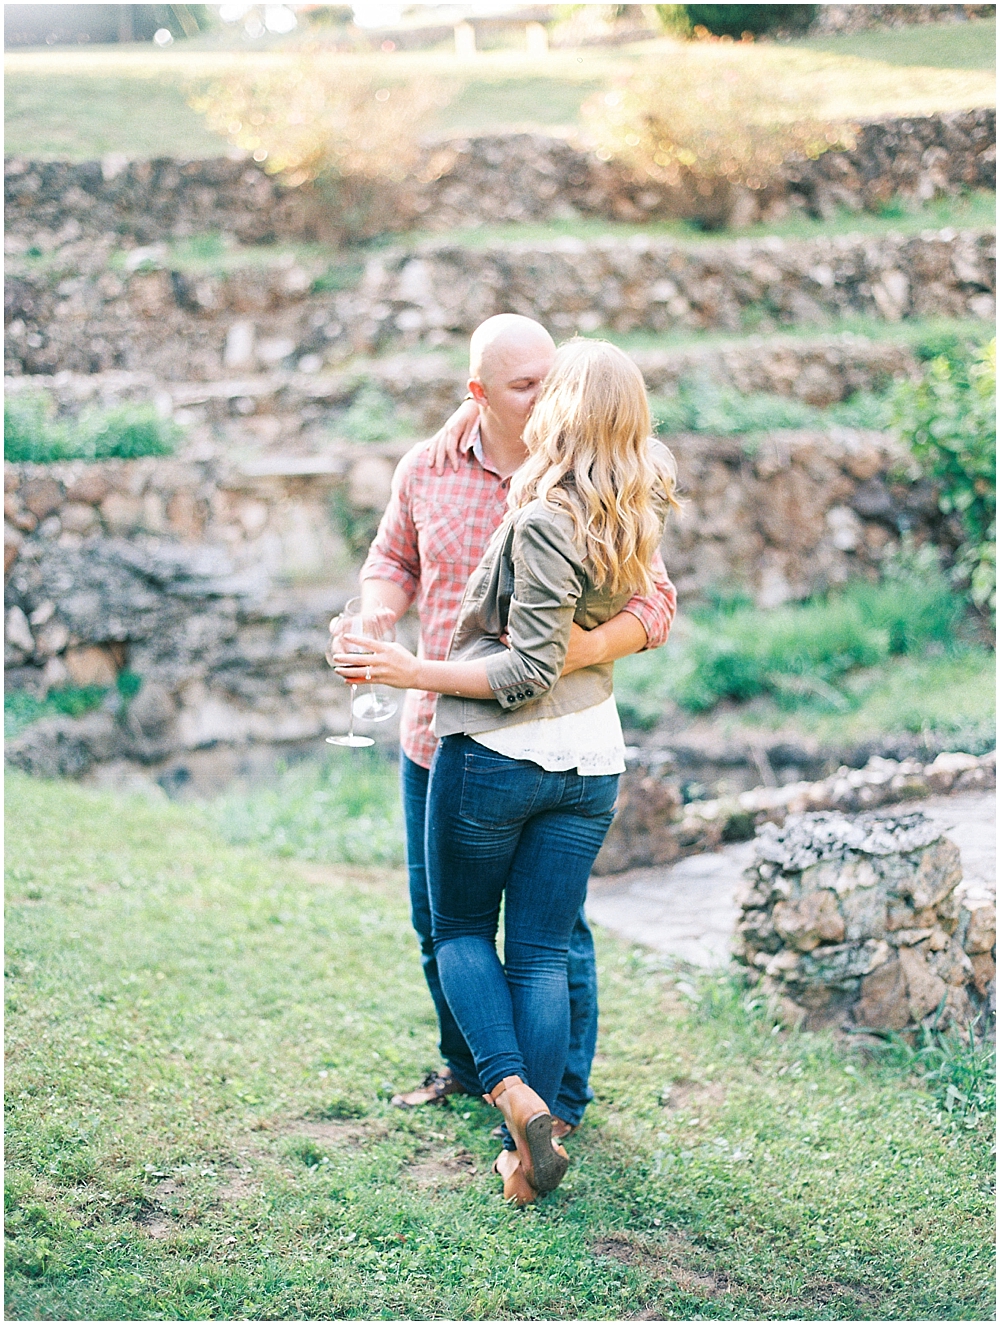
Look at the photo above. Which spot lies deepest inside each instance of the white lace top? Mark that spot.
(589, 740)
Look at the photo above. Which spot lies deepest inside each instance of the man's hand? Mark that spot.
(580, 651)
(447, 442)
(617, 638)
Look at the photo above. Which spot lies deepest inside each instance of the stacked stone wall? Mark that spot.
(185, 328)
(473, 181)
(864, 922)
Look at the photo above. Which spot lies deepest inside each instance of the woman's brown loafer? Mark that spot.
(516, 1186)
(529, 1122)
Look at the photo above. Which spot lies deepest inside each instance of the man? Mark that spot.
(431, 537)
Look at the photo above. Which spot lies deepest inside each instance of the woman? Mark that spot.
(524, 780)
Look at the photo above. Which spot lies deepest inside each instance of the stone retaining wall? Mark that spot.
(861, 18)
(654, 826)
(788, 517)
(481, 180)
(185, 329)
(658, 285)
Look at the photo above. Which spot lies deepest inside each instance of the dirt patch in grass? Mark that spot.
(337, 1131)
(442, 1168)
(236, 1185)
(155, 1224)
(687, 1094)
(669, 1259)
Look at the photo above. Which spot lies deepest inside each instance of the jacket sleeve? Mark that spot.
(548, 582)
(656, 612)
(394, 555)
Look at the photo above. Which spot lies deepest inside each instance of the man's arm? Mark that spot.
(643, 623)
(391, 573)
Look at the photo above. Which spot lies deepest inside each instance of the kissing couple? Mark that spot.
(527, 533)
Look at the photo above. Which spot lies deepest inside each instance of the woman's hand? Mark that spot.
(381, 662)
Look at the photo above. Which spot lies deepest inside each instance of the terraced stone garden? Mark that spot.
(207, 393)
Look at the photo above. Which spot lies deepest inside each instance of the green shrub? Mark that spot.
(734, 20)
(800, 654)
(792, 653)
(371, 416)
(704, 406)
(948, 419)
(33, 433)
(708, 407)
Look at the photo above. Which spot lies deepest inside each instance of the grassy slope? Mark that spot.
(65, 103)
(932, 45)
(201, 1039)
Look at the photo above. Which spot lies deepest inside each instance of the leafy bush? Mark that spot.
(316, 117)
(949, 420)
(33, 433)
(346, 810)
(734, 20)
(712, 117)
(707, 407)
(371, 417)
(801, 653)
(793, 653)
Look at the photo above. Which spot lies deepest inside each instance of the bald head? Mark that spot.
(502, 345)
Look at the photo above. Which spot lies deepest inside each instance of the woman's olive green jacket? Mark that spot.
(533, 582)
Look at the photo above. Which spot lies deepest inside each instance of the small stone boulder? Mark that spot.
(860, 921)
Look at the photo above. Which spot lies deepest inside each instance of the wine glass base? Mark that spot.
(350, 740)
(371, 708)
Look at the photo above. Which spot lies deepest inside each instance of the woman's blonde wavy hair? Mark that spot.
(589, 453)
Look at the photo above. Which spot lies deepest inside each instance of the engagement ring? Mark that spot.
(368, 673)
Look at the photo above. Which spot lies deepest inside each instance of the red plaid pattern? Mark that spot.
(431, 538)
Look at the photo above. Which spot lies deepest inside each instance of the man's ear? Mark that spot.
(478, 392)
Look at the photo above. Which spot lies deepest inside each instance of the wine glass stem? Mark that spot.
(350, 725)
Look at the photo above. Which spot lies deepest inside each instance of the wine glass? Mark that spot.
(373, 705)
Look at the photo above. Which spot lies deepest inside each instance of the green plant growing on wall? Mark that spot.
(33, 433)
(371, 417)
(948, 418)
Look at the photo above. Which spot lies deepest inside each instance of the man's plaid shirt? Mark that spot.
(431, 538)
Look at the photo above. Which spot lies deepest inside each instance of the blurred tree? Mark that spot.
(734, 20)
(57, 25)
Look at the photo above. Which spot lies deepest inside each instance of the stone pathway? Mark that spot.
(689, 910)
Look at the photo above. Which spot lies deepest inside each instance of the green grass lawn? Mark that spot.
(81, 117)
(81, 104)
(201, 1041)
(930, 45)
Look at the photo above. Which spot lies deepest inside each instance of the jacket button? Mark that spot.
(510, 699)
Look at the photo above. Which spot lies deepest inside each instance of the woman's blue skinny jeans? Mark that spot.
(506, 829)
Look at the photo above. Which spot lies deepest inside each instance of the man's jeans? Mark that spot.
(574, 1093)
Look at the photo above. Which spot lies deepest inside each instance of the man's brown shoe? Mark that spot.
(561, 1130)
(434, 1089)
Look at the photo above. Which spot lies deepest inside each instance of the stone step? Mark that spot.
(412, 392)
(434, 295)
